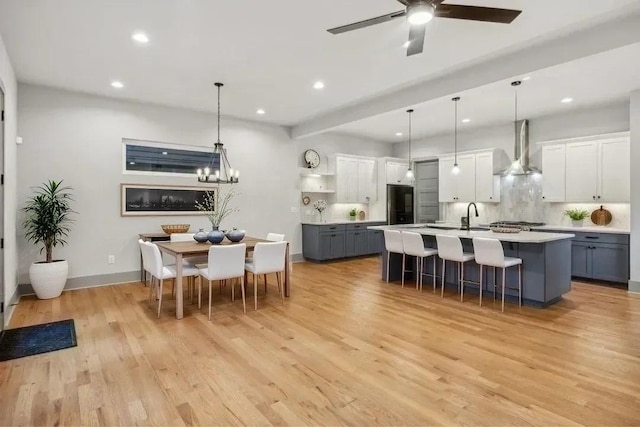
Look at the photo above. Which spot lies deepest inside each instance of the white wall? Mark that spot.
(580, 122)
(78, 138)
(332, 143)
(634, 284)
(10, 259)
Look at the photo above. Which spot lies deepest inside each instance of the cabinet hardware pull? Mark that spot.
(591, 237)
(594, 197)
(333, 235)
(598, 197)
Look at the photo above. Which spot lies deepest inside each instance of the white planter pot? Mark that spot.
(48, 279)
(577, 223)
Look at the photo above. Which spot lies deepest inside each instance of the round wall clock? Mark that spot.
(312, 158)
(306, 200)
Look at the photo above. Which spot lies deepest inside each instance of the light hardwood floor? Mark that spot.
(347, 348)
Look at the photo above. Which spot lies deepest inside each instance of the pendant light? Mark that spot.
(410, 176)
(224, 173)
(456, 169)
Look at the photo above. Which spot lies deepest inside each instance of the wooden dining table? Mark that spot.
(182, 250)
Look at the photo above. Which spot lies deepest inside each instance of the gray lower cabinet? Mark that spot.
(600, 256)
(324, 242)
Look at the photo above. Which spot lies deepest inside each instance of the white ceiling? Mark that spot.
(268, 53)
(599, 79)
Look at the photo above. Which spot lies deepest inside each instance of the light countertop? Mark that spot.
(522, 237)
(585, 229)
(340, 222)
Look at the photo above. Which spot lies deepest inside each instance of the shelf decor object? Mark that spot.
(160, 200)
(312, 159)
(320, 206)
(219, 170)
(175, 228)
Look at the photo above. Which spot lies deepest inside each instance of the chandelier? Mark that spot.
(222, 172)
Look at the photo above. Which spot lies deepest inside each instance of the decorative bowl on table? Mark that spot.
(175, 228)
(235, 235)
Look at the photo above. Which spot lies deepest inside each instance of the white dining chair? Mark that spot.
(224, 263)
(160, 272)
(267, 258)
(271, 237)
(187, 262)
(413, 245)
(450, 249)
(145, 260)
(393, 244)
(489, 252)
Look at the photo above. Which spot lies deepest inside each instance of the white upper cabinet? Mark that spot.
(582, 171)
(356, 179)
(553, 173)
(615, 171)
(474, 183)
(367, 181)
(397, 173)
(487, 184)
(590, 169)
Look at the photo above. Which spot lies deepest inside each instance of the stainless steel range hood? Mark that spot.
(520, 165)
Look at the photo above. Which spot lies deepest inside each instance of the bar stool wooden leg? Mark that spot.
(444, 265)
(434, 274)
(461, 282)
(520, 285)
(481, 285)
(504, 277)
(403, 259)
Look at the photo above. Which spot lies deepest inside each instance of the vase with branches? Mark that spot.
(48, 218)
(217, 206)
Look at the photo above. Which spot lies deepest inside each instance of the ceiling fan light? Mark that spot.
(420, 14)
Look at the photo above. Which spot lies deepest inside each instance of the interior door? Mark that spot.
(428, 208)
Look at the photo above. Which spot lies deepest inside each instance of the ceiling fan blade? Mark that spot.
(477, 13)
(367, 23)
(416, 39)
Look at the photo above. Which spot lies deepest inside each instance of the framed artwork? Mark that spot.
(160, 200)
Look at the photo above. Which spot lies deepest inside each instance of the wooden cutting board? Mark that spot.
(601, 216)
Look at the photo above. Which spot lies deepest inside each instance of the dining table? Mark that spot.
(183, 250)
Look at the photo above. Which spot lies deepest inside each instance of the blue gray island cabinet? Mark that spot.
(546, 263)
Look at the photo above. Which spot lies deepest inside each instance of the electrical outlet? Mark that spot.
(111, 259)
(294, 209)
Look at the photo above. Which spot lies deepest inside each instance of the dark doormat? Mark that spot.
(36, 339)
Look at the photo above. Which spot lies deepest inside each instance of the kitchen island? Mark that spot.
(546, 263)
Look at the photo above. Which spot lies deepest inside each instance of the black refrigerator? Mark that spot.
(400, 204)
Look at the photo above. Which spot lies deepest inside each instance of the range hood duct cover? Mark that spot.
(520, 165)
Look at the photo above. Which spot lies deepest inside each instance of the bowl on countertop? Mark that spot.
(175, 228)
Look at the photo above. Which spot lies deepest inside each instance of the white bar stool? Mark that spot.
(489, 253)
(414, 246)
(450, 249)
(393, 244)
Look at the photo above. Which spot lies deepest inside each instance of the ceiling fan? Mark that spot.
(420, 12)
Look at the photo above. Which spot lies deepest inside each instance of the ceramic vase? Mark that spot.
(200, 236)
(577, 223)
(215, 236)
(235, 235)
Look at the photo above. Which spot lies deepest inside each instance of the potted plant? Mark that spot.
(47, 222)
(577, 216)
(352, 214)
(216, 207)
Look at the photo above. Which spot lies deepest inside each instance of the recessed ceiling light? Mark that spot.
(566, 100)
(524, 79)
(117, 84)
(406, 44)
(260, 111)
(140, 37)
(318, 85)
(164, 153)
(398, 133)
(466, 120)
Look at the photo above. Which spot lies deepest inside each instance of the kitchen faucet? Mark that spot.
(468, 224)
